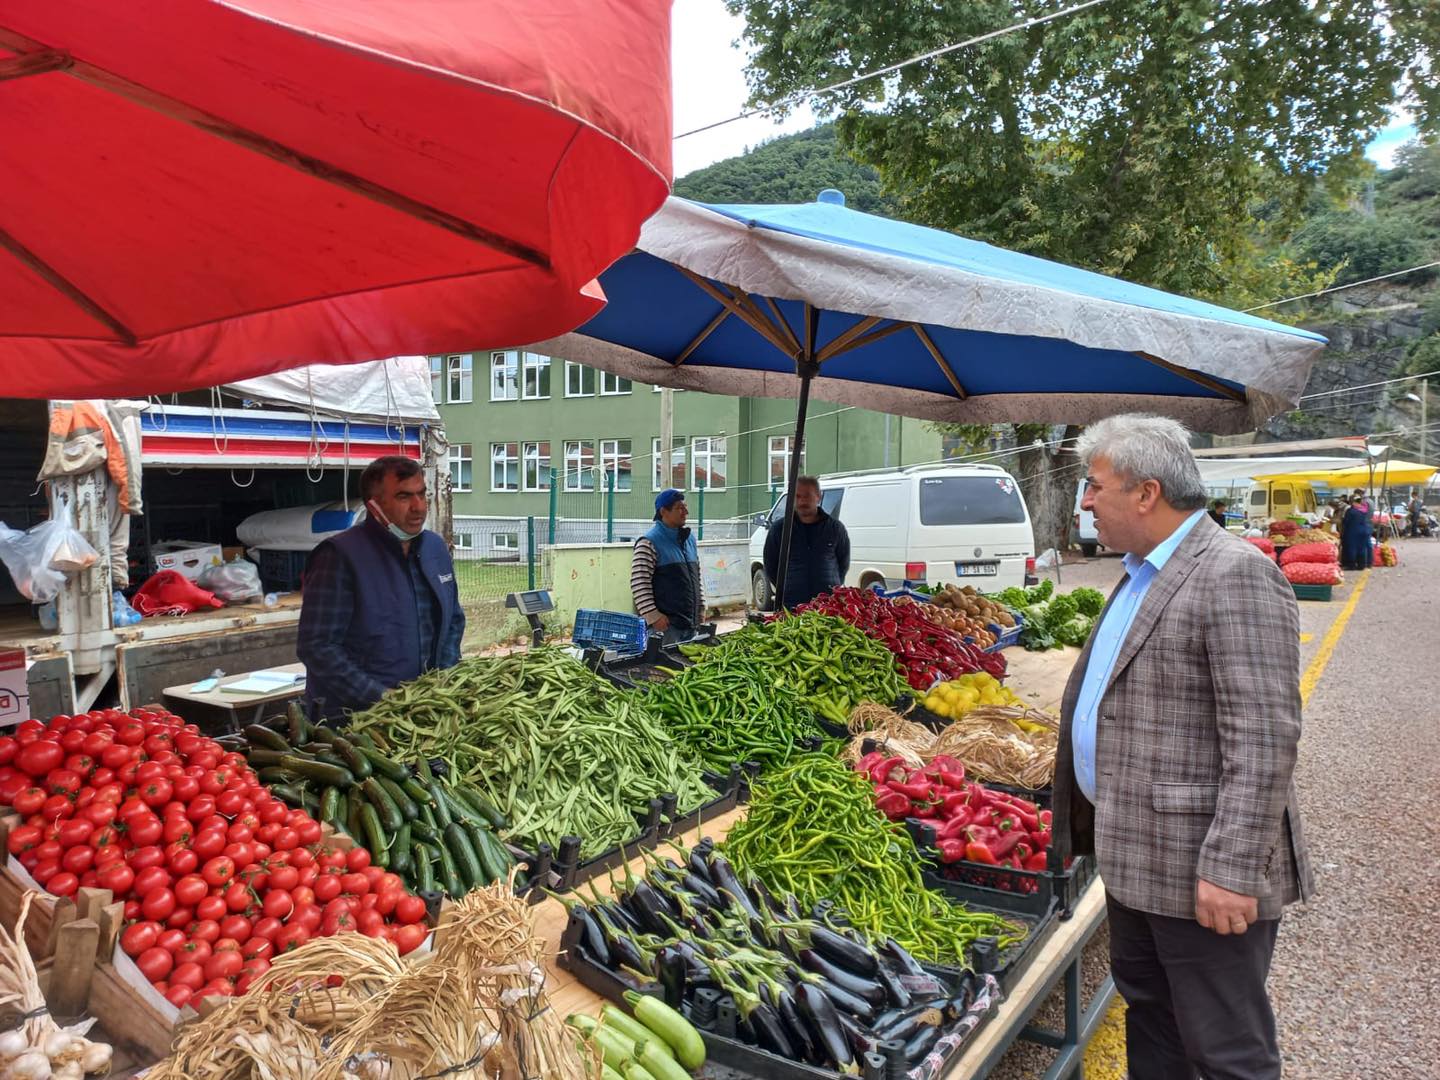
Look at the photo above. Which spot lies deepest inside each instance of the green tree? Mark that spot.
(1133, 138)
(1361, 245)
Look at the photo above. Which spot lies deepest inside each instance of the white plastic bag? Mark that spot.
(39, 558)
(73, 552)
(234, 581)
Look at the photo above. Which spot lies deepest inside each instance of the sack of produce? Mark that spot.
(1263, 544)
(1311, 573)
(1315, 553)
(1283, 528)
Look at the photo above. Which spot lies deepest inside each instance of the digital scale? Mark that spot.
(532, 604)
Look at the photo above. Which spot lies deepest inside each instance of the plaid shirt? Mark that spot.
(330, 587)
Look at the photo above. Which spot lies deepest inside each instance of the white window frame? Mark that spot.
(496, 545)
(679, 445)
(578, 470)
(464, 541)
(536, 362)
(784, 443)
(460, 372)
(461, 454)
(508, 368)
(579, 371)
(437, 379)
(507, 460)
(542, 474)
(614, 381)
(708, 447)
(610, 458)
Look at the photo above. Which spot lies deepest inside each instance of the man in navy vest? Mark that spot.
(665, 569)
(381, 602)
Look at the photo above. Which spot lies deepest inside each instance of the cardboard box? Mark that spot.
(14, 688)
(191, 559)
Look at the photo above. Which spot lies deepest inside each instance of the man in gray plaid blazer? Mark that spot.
(1178, 737)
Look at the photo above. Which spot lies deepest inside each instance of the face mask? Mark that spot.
(395, 530)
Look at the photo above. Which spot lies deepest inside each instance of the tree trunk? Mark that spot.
(1049, 492)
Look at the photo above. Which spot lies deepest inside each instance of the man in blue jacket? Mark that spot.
(819, 548)
(665, 569)
(381, 602)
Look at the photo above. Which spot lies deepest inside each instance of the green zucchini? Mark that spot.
(330, 806)
(400, 852)
(457, 839)
(273, 774)
(459, 809)
(322, 734)
(261, 736)
(384, 766)
(321, 772)
(424, 830)
(390, 815)
(406, 805)
(427, 810)
(298, 725)
(422, 770)
(495, 861)
(449, 876)
(443, 817)
(482, 806)
(258, 757)
(293, 794)
(355, 761)
(374, 835)
(416, 790)
(423, 874)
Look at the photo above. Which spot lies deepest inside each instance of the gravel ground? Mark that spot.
(1356, 975)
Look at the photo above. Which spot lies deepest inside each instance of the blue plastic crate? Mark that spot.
(1005, 636)
(903, 591)
(610, 630)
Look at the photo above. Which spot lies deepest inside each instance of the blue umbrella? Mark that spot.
(782, 300)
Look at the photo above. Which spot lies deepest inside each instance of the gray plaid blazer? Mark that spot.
(1196, 741)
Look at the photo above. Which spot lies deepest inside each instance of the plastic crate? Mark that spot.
(610, 630)
(1005, 636)
(282, 571)
(1312, 592)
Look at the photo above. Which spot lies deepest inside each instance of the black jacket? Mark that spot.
(819, 558)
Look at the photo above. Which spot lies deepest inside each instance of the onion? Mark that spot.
(31, 1065)
(13, 1044)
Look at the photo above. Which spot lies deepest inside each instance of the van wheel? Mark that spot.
(761, 594)
(1089, 550)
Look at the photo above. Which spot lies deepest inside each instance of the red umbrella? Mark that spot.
(193, 192)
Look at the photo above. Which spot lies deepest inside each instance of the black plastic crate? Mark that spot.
(282, 571)
(714, 1017)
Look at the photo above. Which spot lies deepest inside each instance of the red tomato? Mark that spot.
(116, 756)
(278, 904)
(156, 792)
(141, 858)
(155, 964)
(78, 859)
(179, 996)
(132, 909)
(207, 930)
(195, 950)
(25, 838)
(271, 812)
(292, 937)
(337, 921)
(355, 884)
(238, 896)
(47, 850)
(373, 874)
(139, 936)
(212, 907)
(191, 889)
(149, 880)
(57, 806)
(229, 803)
(370, 922)
(181, 860)
(40, 757)
(74, 831)
(327, 888)
(386, 899)
(389, 881)
(286, 839)
(42, 870)
(157, 744)
(218, 871)
(265, 834)
(144, 830)
(99, 813)
(208, 843)
(72, 741)
(242, 854)
(284, 877)
(12, 782)
(127, 772)
(180, 918)
(63, 884)
(131, 733)
(201, 807)
(236, 927)
(171, 938)
(158, 903)
(308, 876)
(178, 829)
(101, 776)
(95, 743)
(217, 988)
(186, 788)
(258, 947)
(302, 858)
(214, 781)
(308, 916)
(108, 855)
(29, 800)
(224, 965)
(410, 937)
(188, 974)
(117, 877)
(9, 749)
(310, 831)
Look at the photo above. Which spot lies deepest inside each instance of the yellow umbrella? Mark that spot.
(1386, 474)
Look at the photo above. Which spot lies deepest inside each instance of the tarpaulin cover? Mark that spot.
(196, 192)
(1006, 336)
(394, 389)
(1381, 474)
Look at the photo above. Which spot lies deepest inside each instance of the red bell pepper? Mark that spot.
(980, 853)
(881, 771)
(951, 851)
(1007, 843)
(953, 803)
(1038, 861)
(1041, 838)
(893, 805)
(954, 827)
(873, 758)
(919, 790)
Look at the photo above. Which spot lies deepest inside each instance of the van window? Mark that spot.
(1280, 497)
(1257, 499)
(830, 499)
(970, 500)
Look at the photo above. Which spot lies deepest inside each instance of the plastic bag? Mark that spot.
(234, 581)
(39, 558)
(171, 593)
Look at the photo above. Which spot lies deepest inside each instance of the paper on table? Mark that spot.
(264, 682)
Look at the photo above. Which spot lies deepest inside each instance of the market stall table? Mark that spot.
(229, 710)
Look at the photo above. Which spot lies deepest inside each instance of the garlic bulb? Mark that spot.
(31, 1065)
(96, 1058)
(13, 1044)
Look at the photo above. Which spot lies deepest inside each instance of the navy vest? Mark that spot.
(677, 575)
(384, 633)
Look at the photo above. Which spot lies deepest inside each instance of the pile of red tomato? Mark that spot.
(217, 875)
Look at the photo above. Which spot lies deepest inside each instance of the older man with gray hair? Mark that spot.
(1178, 739)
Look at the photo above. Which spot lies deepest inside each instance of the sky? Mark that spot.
(709, 82)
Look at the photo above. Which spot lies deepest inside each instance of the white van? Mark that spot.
(929, 523)
(1083, 525)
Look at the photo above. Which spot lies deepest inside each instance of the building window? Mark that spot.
(613, 384)
(536, 382)
(504, 375)
(504, 466)
(464, 541)
(579, 380)
(615, 461)
(536, 459)
(461, 377)
(505, 543)
(677, 465)
(460, 463)
(437, 379)
(580, 465)
(707, 463)
(780, 459)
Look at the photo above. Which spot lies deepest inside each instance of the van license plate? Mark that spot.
(977, 569)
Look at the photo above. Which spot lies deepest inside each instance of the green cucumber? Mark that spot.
(299, 726)
(259, 735)
(390, 815)
(361, 738)
(422, 770)
(330, 806)
(459, 809)
(482, 806)
(384, 766)
(424, 873)
(416, 790)
(427, 810)
(259, 757)
(355, 761)
(408, 810)
(293, 794)
(495, 861)
(320, 771)
(374, 835)
(457, 839)
(273, 774)
(443, 816)
(400, 852)
(322, 734)
(424, 830)
(449, 876)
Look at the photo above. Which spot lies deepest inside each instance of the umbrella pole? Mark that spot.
(787, 529)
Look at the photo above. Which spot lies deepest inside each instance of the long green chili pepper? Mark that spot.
(812, 831)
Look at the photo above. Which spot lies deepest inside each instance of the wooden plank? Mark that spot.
(73, 968)
(144, 1034)
(62, 911)
(89, 902)
(111, 921)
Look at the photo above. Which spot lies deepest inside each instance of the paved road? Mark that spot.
(1356, 976)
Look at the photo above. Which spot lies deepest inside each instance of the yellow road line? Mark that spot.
(1105, 1056)
(1305, 639)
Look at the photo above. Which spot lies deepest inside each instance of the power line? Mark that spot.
(791, 99)
(1341, 288)
(1366, 386)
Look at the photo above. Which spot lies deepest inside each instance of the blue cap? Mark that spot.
(668, 498)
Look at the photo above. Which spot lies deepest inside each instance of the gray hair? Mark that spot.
(1140, 447)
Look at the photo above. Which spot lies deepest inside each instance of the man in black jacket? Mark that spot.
(819, 548)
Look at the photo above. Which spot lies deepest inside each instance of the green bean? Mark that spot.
(812, 830)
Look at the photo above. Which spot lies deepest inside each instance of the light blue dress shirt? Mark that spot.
(1110, 636)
